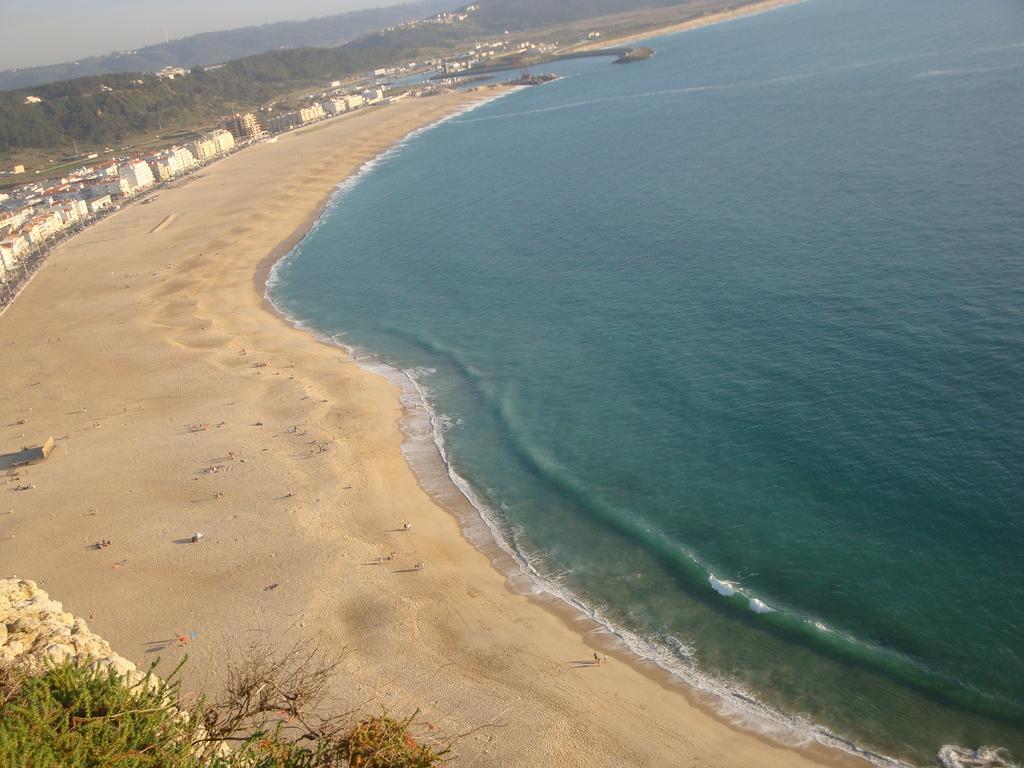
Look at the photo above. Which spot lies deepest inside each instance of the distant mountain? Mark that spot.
(218, 47)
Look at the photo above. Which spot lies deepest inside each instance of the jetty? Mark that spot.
(527, 79)
(634, 54)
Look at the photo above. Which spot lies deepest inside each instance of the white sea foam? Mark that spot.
(966, 71)
(778, 80)
(721, 587)
(425, 429)
(646, 95)
(759, 606)
(728, 589)
(668, 653)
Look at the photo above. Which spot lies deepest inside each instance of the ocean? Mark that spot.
(727, 346)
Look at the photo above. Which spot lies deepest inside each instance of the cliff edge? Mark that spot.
(36, 633)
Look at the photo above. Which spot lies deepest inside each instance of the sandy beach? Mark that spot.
(180, 402)
(672, 28)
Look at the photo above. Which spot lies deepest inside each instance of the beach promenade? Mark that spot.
(180, 404)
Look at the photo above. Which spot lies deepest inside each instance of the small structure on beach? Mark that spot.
(28, 455)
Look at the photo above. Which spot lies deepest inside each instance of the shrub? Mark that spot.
(272, 712)
(73, 717)
(384, 742)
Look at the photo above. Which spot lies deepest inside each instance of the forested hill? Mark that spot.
(100, 111)
(217, 47)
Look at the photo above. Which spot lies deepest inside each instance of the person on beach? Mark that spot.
(597, 659)
(407, 526)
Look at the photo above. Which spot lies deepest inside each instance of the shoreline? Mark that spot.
(452, 493)
(163, 330)
(707, 20)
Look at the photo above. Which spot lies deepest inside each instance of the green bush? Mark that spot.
(383, 742)
(75, 717)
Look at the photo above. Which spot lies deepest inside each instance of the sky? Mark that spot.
(51, 32)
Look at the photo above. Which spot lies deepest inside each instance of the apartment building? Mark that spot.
(203, 149)
(11, 250)
(135, 175)
(223, 140)
(244, 127)
(43, 226)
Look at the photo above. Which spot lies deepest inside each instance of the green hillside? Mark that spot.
(103, 111)
(216, 47)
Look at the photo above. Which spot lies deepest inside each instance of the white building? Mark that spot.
(111, 187)
(182, 159)
(14, 218)
(73, 211)
(43, 226)
(161, 167)
(354, 101)
(203, 149)
(11, 250)
(97, 204)
(185, 157)
(283, 121)
(222, 139)
(107, 169)
(310, 114)
(63, 194)
(135, 175)
(171, 162)
(170, 73)
(335, 107)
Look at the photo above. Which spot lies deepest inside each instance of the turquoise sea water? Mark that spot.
(730, 343)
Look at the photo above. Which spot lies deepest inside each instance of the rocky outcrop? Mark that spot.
(36, 632)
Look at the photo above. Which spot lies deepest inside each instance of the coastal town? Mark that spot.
(38, 214)
(409, 388)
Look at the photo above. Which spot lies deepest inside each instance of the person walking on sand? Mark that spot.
(597, 659)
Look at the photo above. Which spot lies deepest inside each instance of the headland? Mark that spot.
(666, 25)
